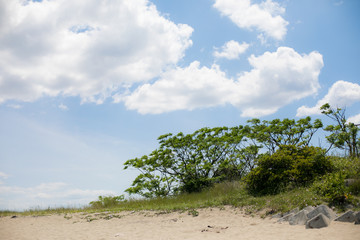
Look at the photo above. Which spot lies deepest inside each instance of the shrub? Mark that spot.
(107, 201)
(290, 166)
(354, 187)
(350, 167)
(332, 187)
(350, 171)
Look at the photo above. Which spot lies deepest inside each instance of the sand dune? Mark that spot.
(229, 223)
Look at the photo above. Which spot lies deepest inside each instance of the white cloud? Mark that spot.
(83, 48)
(264, 17)
(63, 107)
(14, 106)
(340, 94)
(231, 50)
(55, 194)
(182, 88)
(354, 119)
(277, 79)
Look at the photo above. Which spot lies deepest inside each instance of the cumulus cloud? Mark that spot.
(83, 48)
(182, 88)
(341, 94)
(264, 17)
(276, 79)
(63, 107)
(53, 194)
(355, 119)
(231, 50)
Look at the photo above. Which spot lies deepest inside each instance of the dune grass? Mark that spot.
(227, 193)
(222, 194)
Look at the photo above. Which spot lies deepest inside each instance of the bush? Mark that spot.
(107, 201)
(290, 166)
(354, 187)
(350, 171)
(350, 167)
(332, 187)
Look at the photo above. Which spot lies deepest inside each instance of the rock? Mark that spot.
(319, 221)
(278, 215)
(286, 217)
(299, 218)
(287, 214)
(295, 210)
(357, 218)
(349, 216)
(309, 208)
(324, 210)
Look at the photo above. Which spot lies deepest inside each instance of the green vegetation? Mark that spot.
(267, 165)
(107, 201)
(266, 157)
(190, 163)
(343, 135)
(289, 167)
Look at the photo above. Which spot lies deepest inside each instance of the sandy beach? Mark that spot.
(211, 223)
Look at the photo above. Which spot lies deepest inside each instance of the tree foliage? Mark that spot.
(343, 135)
(275, 133)
(189, 163)
(192, 162)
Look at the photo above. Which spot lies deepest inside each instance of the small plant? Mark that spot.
(107, 201)
(193, 213)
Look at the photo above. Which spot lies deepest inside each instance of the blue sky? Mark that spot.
(86, 85)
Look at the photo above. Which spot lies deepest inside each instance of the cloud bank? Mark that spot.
(83, 48)
(276, 79)
(98, 51)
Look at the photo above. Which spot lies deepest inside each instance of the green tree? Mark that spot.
(272, 134)
(189, 163)
(344, 134)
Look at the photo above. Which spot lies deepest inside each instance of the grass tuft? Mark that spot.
(226, 193)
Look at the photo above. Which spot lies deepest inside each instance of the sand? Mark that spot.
(211, 223)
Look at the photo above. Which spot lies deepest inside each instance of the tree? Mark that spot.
(272, 134)
(192, 162)
(344, 135)
(189, 163)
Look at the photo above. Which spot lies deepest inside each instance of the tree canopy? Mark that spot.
(191, 162)
(274, 153)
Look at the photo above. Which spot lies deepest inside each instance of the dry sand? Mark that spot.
(213, 223)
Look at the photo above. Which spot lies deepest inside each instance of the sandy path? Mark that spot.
(210, 224)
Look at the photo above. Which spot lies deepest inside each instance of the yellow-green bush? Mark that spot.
(290, 166)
